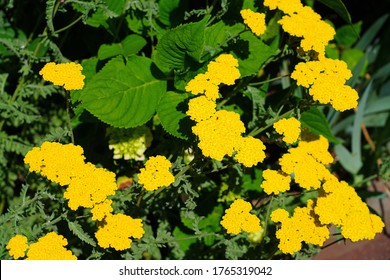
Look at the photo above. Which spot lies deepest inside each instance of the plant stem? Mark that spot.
(274, 120)
(69, 25)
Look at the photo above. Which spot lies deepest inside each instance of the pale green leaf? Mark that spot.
(77, 230)
(124, 95)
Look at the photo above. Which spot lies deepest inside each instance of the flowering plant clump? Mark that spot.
(190, 129)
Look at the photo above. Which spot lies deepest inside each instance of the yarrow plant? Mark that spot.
(210, 132)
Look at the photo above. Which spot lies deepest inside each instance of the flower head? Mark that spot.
(237, 218)
(200, 108)
(50, 247)
(255, 21)
(67, 75)
(301, 227)
(156, 173)
(117, 230)
(275, 181)
(17, 246)
(289, 128)
(250, 151)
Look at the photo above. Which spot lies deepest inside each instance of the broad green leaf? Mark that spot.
(171, 111)
(251, 53)
(339, 7)
(80, 233)
(89, 70)
(132, 44)
(124, 95)
(316, 122)
(352, 57)
(218, 34)
(347, 35)
(179, 44)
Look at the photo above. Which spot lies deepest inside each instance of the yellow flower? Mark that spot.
(289, 128)
(101, 210)
(200, 108)
(237, 218)
(326, 79)
(306, 162)
(57, 162)
(221, 71)
(275, 181)
(50, 247)
(301, 227)
(92, 186)
(255, 21)
(250, 151)
(65, 165)
(305, 23)
(17, 246)
(156, 173)
(340, 205)
(219, 134)
(116, 231)
(67, 75)
(287, 6)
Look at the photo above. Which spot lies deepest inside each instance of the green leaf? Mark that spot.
(339, 7)
(76, 228)
(316, 122)
(89, 70)
(349, 161)
(371, 33)
(251, 53)
(171, 12)
(50, 4)
(3, 79)
(132, 44)
(352, 58)
(179, 44)
(124, 95)
(347, 35)
(171, 111)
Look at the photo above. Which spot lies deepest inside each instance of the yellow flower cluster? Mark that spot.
(326, 79)
(302, 226)
(67, 75)
(275, 181)
(156, 173)
(306, 162)
(301, 21)
(129, 143)
(338, 203)
(65, 165)
(17, 246)
(219, 132)
(289, 128)
(255, 21)
(116, 231)
(341, 206)
(49, 247)
(237, 218)
(221, 71)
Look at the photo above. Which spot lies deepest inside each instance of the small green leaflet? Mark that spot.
(132, 44)
(80, 233)
(316, 122)
(124, 95)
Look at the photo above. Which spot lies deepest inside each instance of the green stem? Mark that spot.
(277, 118)
(67, 96)
(68, 26)
(267, 81)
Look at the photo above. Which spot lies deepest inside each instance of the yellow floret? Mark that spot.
(289, 128)
(67, 75)
(17, 246)
(156, 173)
(200, 108)
(250, 151)
(275, 181)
